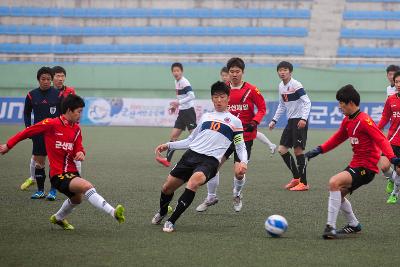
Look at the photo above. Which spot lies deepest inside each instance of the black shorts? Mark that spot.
(186, 119)
(39, 147)
(192, 162)
(293, 136)
(232, 149)
(360, 176)
(61, 182)
(396, 150)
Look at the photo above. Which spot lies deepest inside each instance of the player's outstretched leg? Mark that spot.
(387, 170)
(396, 187)
(264, 139)
(31, 180)
(65, 210)
(211, 198)
(353, 225)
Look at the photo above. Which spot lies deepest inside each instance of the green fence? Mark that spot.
(155, 81)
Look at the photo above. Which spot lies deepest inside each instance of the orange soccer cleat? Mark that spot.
(163, 161)
(300, 187)
(292, 183)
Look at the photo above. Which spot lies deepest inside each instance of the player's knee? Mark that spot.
(77, 199)
(385, 166)
(334, 184)
(282, 150)
(87, 186)
(166, 189)
(39, 165)
(193, 185)
(298, 151)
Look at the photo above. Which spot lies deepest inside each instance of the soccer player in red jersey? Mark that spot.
(391, 112)
(63, 141)
(367, 142)
(244, 99)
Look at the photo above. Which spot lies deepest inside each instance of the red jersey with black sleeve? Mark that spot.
(62, 138)
(366, 140)
(391, 112)
(242, 104)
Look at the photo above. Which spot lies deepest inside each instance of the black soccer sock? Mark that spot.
(170, 153)
(40, 176)
(289, 160)
(164, 202)
(183, 203)
(301, 165)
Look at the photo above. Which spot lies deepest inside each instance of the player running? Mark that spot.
(367, 142)
(224, 73)
(293, 99)
(63, 141)
(206, 146)
(44, 103)
(391, 112)
(244, 99)
(185, 105)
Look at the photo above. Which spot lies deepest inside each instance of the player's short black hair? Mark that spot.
(44, 70)
(397, 74)
(224, 69)
(219, 87)
(348, 94)
(177, 65)
(72, 102)
(392, 68)
(235, 62)
(59, 69)
(286, 65)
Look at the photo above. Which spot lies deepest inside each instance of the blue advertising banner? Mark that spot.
(154, 112)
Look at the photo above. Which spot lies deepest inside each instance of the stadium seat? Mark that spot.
(371, 15)
(370, 34)
(346, 51)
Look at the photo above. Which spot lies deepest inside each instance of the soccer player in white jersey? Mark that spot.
(206, 146)
(185, 104)
(293, 99)
(260, 136)
(390, 71)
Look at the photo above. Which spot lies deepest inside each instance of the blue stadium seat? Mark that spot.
(374, 1)
(153, 13)
(151, 49)
(369, 34)
(371, 15)
(346, 51)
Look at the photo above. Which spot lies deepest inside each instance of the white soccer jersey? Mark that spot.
(293, 99)
(391, 90)
(184, 93)
(213, 136)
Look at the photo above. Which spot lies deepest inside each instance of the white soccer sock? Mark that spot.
(396, 188)
(389, 174)
(32, 168)
(263, 139)
(212, 187)
(65, 209)
(238, 185)
(78, 166)
(333, 207)
(348, 212)
(98, 201)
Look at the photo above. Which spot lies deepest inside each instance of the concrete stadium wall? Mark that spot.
(155, 81)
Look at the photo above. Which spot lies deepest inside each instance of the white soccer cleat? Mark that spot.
(206, 203)
(157, 219)
(237, 203)
(272, 149)
(169, 227)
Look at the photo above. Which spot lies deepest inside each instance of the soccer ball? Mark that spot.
(276, 225)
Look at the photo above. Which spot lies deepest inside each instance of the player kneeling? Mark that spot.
(63, 141)
(206, 146)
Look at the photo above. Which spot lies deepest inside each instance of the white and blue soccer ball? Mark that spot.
(276, 225)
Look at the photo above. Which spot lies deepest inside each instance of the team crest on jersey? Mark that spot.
(227, 120)
(53, 110)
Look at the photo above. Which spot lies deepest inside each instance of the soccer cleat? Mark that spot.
(389, 186)
(28, 182)
(38, 195)
(206, 203)
(348, 229)
(52, 195)
(300, 187)
(64, 224)
(292, 183)
(169, 227)
(157, 219)
(237, 203)
(119, 214)
(392, 199)
(163, 161)
(272, 149)
(329, 232)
